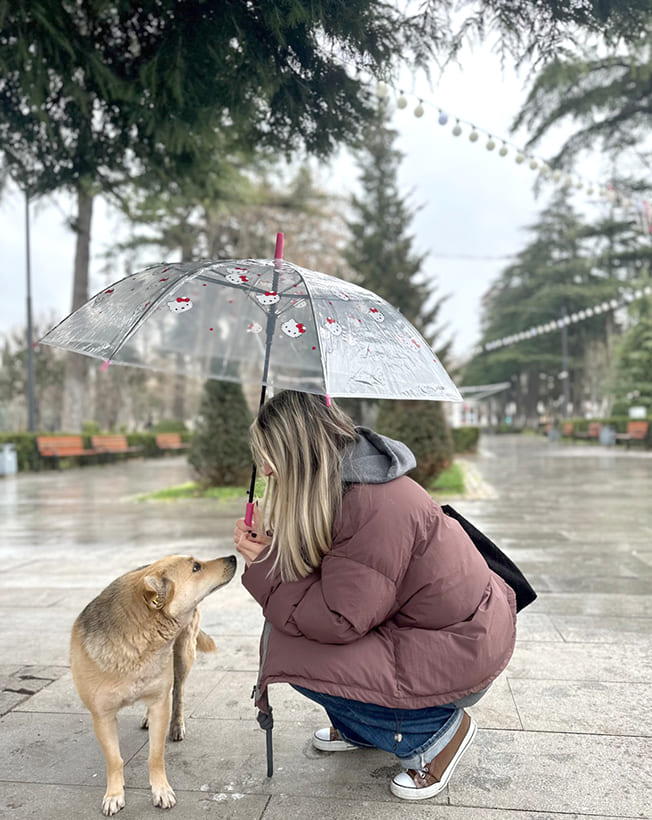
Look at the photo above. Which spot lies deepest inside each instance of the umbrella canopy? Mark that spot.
(259, 321)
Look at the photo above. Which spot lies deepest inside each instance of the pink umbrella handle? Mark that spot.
(249, 513)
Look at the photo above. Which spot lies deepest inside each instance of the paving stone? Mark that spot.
(53, 748)
(28, 801)
(575, 661)
(228, 756)
(522, 770)
(591, 707)
(282, 807)
(591, 629)
(600, 604)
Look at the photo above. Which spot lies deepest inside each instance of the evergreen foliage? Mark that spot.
(422, 426)
(381, 249)
(220, 446)
(609, 100)
(555, 273)
(632, 377)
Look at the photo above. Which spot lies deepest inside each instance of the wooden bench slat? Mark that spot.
(113, 443)
(170, 441)
(62, 446)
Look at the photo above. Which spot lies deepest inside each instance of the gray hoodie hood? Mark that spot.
(375, 459)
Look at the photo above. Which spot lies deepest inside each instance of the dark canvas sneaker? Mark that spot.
(433, 778)
(330, 740)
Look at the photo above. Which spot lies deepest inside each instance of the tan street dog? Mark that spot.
(137, 641)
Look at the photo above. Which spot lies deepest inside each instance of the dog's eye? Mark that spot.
(196, 567)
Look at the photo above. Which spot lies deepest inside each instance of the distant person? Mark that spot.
(378, 605)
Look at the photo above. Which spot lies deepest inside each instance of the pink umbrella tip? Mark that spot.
(105, 365)
(278, 251)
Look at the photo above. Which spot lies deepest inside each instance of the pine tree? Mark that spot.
(382, 256)
(220, 446)
(381, 250)
(556, 273)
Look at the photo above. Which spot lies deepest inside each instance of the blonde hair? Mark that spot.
(302, 440)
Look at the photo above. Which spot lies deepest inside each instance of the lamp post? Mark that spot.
(564, 367)
(31, 414)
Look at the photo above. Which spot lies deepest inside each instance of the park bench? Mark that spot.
(636, 432)
(113, 444)
(62, 447)
(593, 432)
(567, 429)
(170, 441)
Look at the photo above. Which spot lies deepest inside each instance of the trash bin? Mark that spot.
(8, 459)
(607, 436)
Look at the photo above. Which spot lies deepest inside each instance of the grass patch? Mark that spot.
(194, 490)
(451, 480)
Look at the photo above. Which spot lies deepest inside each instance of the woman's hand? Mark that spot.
(251, 541)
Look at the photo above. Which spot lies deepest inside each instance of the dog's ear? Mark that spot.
(157, 590)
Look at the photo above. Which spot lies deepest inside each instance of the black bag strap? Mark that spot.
(496, 560)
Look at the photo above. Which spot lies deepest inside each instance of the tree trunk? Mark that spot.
(72, 415)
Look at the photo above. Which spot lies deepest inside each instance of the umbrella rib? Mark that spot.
(311, 304)
(148, 310)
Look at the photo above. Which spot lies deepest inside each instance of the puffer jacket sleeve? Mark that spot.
(339, 603)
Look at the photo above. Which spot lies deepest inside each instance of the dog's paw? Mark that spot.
(144, 723)
(163, 796)
(177, 730)
(112, 803)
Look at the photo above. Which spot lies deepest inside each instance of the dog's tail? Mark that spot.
(205, 643)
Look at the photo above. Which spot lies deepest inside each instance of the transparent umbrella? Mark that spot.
(261, 321)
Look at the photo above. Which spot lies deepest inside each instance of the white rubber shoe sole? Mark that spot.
(322, 740)
(404, 787)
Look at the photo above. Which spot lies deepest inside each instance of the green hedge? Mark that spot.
(28, 458)
(465, 439)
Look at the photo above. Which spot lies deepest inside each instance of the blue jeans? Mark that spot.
(415, 736)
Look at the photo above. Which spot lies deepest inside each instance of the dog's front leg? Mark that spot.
(106, 731)
(158, 714)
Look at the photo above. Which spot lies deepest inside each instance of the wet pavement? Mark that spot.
(564, 733)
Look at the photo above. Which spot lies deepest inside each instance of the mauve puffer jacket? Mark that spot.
(403, 612)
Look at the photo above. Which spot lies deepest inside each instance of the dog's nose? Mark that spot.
(232, 560)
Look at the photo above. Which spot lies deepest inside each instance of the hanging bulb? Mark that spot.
(442, 119)
(567, 182)
(490, 144)
(534, 164)
(556, 175)
(520, 159)
(503, 150)
(589, 190)
(579, 184)
(473, 136)
(457, 129)
(418, 111)
(381, 90)
(401, 102)
(545, 170)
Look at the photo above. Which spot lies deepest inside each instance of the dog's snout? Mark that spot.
(232, 560)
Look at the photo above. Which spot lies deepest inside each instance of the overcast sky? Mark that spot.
(475, 203)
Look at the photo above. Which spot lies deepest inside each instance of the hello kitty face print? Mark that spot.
(293, 329)
(333, 326)
(376, 314)
(254, 327)
(180, 305)
(237, 276)
(270, 297)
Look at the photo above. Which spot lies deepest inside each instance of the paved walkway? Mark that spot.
(564, 733)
